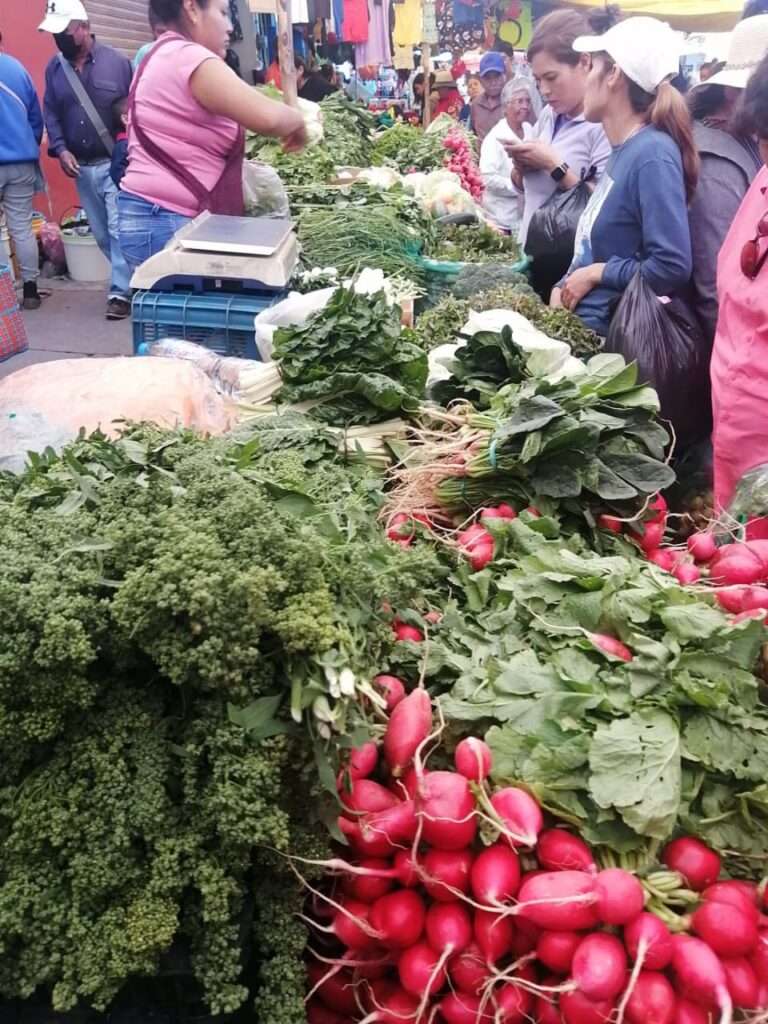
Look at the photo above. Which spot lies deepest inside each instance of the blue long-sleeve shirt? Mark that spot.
(21, 120)
(106, 77)
(637, 219)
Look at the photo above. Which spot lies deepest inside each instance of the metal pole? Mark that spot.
(426, 67)
(285, 52)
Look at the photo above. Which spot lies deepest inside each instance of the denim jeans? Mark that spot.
(98, 197)
(17, 190)
(145, 228)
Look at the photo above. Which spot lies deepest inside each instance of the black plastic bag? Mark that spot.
(552, 231)
(671, 352)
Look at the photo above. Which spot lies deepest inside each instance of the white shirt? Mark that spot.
(581, 144)
(502, 201)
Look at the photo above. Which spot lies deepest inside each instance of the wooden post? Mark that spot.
(426, 67)
(285, 52)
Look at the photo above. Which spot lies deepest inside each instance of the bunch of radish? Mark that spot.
(453, 903)
(461, 160)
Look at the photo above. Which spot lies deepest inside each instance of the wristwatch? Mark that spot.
(559, 173)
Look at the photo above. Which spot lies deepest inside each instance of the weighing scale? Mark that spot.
(213, 253)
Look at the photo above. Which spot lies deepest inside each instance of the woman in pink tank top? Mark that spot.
(188, 112)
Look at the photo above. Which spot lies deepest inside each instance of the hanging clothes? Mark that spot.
(402, 58)
(355, 21)
(462, 36)
(299, 12)
(407, 23)
(430, 33)
(377, 48)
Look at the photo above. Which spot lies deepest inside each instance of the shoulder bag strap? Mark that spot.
(87, 104)
(157, 153)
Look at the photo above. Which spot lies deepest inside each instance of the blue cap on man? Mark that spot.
(492, 62)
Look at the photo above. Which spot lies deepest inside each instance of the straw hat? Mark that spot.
(444, 80)
(748, 46)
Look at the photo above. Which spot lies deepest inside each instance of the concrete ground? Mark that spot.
(70, 324)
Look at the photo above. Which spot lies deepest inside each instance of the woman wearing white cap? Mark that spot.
(729, 162)
(637, 219)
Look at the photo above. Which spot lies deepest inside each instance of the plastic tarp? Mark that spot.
(687, 15)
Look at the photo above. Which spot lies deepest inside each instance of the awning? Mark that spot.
(686, 15)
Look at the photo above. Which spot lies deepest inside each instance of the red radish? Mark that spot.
(392, 688)
(369, 888)
(377, 993)
(701, 974)
(506, 511)
(520, 815)
(380, 834)
(558, 850)
(400, 1007)
(760, 957)
(727, 929)
(526, 936)
(400, 528)
(463, 1008)
(408, 786)
(514, 1004)
(319, 1014)
(652, 536)
(468, 971)
(363, 760)
(474, 537)
(419, 970)
(447, 811)
(698, 865)
(600, 966)
(472, 758)
(407, 869)
(448, 927)
(742, 983)
(409, 725)
(372, 966)
(702, 546)
(686, 574)
(611, 646)
(444, 871)
(335, 991)
(611, 523)
(555, 950)
(495, 875)
(731, 598)
(406, 632)
(687, 1012)
(660, 508)
(577, 1009)
(352, 928)
(433, 618)
(753, 598)
(737, 563)
(652, 1000)
(493, 934)
(655, 937)
(756, 615)
(490, 513)
(533, 512)
(620, 897)
(740, 894)
(481, 556)
(546, 1010)
(399, 917)
(559, 900)
(665, 558)
(367, 797)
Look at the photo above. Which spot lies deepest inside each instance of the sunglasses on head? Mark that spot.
(752, 260)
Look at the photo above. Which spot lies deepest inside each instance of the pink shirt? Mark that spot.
(740, 355)
(174, 120)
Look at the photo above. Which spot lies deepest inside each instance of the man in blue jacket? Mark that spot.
(21, 129)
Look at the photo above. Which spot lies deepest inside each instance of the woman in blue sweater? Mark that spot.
(637, 219)
(21, 129)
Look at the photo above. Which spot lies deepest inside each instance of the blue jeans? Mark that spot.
(145, 228)
(98, 197)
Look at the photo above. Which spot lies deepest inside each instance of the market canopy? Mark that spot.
(687, 15)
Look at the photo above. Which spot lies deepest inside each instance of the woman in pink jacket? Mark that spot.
(740, 355)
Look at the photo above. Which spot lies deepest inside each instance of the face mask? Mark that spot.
(67, 45)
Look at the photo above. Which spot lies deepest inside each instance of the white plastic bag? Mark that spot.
(295, 310)
(263, 191)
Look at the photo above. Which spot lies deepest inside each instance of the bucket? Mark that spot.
(85, 260)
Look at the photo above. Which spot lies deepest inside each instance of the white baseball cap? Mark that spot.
(645, 49)
(59, 13)
(748, 46)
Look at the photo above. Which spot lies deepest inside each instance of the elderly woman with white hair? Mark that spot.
(503, 201)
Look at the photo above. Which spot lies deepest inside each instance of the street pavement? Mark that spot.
(70, 324)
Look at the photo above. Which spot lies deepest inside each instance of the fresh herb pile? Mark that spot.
(175, 607)
(314, 166)
(580, 442)
(407, 148)
(474, 243)
(347, 128)
(482, 277)
(354, 360)
(624, 750)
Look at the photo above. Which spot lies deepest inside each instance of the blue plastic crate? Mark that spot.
(222, 323)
